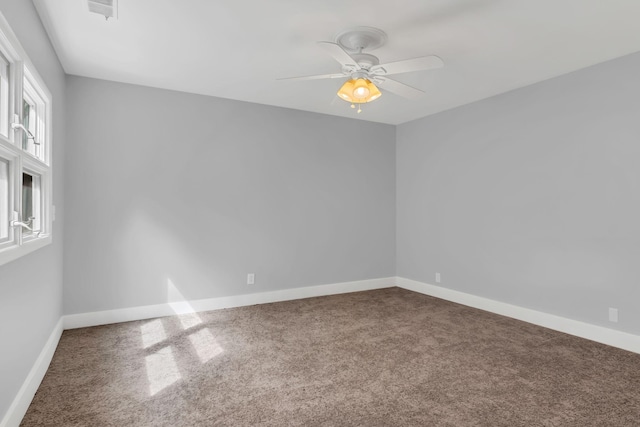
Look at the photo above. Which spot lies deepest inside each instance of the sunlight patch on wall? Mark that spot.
(162, 370)
(181, 306)
(205, 345)
(176, 300)
(152, 333)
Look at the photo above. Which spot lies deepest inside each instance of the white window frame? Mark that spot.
(23, 78)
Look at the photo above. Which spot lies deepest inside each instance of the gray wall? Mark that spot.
(31, 287)
(168, 189)
(531, 197)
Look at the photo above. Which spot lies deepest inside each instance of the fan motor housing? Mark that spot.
(366, 60)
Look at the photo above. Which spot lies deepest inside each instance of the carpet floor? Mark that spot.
(388, 357)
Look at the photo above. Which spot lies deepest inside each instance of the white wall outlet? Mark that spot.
(251, 279)
(437, 277)
(613, 314)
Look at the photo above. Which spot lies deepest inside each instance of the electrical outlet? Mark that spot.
(613, 314)
(251, 279)
(437, 277)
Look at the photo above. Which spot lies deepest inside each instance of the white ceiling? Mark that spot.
(238, 48)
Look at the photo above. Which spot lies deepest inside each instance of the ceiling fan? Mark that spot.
(364, 71)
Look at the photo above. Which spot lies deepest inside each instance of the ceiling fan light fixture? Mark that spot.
(359, 91)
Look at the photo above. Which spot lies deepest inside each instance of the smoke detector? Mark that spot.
(106, 8)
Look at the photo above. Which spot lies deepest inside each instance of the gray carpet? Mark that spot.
(380, 358)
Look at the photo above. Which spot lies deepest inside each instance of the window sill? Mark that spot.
(13, 253)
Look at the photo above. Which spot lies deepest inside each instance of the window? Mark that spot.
(25, 152)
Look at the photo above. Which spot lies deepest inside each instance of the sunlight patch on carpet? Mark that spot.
(152, 333)
(162, 370)
(189, 320)
(205, 345)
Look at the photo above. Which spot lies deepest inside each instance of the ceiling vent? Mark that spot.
(106, 8)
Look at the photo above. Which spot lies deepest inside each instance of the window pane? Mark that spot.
(26, 107)
(4, 67)
(4, 200)
(29, 122)
(31, 202)
(4, 96)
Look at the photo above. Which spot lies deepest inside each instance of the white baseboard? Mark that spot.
(83, 320)
(21, 403)
(591, 332)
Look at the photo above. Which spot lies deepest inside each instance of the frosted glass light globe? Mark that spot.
(361, 92)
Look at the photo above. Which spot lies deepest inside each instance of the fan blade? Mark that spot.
(340, 55)
(408, 65)
(398, 88)
(316, 77)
